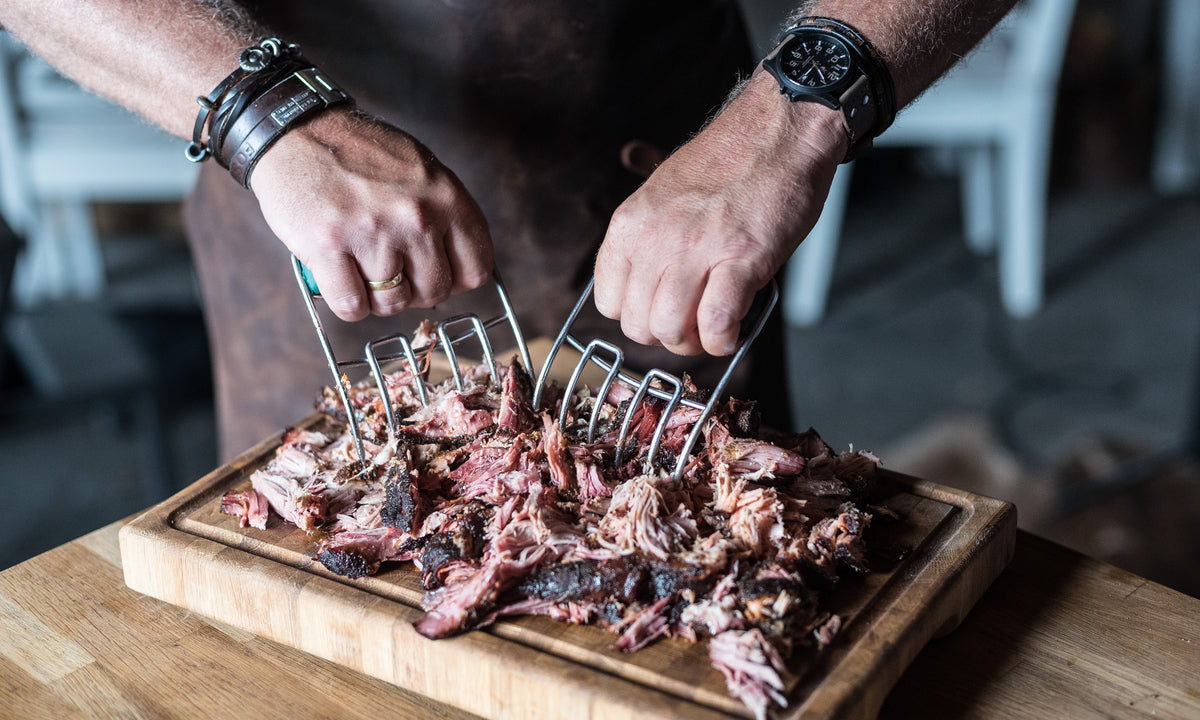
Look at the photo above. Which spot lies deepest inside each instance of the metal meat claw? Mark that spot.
(445, 339)
(652, 383)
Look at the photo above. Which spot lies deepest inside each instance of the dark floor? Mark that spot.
(1077, 415)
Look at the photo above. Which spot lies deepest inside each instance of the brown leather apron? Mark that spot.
(529, 102)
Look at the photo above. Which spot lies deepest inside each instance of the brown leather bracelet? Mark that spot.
(253, 115)
(251, 62)
(298, 96)
(229, 112)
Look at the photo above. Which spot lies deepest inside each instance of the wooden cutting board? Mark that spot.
(185, 552)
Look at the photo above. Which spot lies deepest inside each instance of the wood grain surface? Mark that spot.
(1057, 635)
(184, 551)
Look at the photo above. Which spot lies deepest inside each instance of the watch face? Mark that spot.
(815, 62)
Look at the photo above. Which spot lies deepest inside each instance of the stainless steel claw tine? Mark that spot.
(309, 290)
(638, 396)
(480, 332)
(380, 380)
(563, 335)
(769, 297)
(334, 367)
(613, 370)
(511, 315)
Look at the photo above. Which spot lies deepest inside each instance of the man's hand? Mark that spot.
(685, 254)
(358, 200)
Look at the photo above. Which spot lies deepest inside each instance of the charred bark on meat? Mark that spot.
(402, 503)
(465, 541)
(345, 562)
(618, 580)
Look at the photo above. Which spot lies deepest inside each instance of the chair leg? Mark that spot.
(1176, 166)
(810, 271)
(84, 259)
(978, 185)
(1025, 166)
(62, 258)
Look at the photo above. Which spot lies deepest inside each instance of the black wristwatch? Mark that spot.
(826, 61)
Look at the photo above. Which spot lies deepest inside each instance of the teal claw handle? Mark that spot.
(309, 281)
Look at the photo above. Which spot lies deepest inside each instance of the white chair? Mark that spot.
(62, 149)
(995, 113)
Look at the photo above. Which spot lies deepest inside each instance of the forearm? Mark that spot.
(918, 39)
(155, 57)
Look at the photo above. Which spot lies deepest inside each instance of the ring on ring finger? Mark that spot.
(393, 282)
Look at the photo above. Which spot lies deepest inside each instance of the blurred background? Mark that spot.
(1002, 297)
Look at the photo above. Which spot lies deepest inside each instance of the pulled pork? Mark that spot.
(504, 513)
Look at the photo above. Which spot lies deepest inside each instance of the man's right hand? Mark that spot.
(358, 200)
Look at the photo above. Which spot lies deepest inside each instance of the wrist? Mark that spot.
(312, 137)
(817, 128)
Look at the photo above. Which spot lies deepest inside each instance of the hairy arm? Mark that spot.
(919, 39)
(152, 56)
(685, 254)
(354, 198)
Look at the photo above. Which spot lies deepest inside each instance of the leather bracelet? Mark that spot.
(272, 89)
(235, 124)
(297, 97)
(224, 118)
(250, 61)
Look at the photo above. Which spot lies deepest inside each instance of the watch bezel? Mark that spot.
(827, 94)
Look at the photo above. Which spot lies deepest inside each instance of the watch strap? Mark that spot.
(868, 105)
(860, 116)
(876, 69)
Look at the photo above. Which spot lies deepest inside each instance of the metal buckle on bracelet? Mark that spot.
(258, 57)
(326, 90)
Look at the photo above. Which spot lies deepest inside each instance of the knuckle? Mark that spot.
(626, 222)
(350, 309)
(474, 278)
(441, 283)
(392, 308)
(684, 348)
(717, 319)
(668, 332)
(417, 215)
(326, 242)
(605, 306)
(637, 333)
(431, 295)
(606, 298)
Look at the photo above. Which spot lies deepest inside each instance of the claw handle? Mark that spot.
(309, 281)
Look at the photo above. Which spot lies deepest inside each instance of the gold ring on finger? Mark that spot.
(393, 282)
